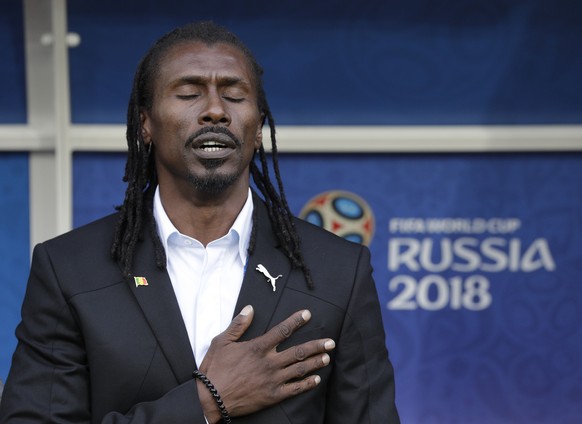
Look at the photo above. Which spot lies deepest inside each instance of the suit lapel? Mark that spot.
(160, 307)
(256, 289)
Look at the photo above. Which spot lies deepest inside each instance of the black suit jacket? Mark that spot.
(93, 347)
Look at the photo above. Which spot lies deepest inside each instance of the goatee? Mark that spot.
(213, 182)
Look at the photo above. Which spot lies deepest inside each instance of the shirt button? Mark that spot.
(187, 242)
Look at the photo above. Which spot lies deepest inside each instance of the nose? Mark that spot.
(214, 112)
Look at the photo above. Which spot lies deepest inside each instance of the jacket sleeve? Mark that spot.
(49, 380)
(361, 388)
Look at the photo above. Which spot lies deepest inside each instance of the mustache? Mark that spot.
(213, 129)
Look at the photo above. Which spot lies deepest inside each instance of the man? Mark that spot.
(141, 330)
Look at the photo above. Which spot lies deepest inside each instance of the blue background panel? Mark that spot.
(358, 63)
(14, 249)
(515, 360)
(97, 185)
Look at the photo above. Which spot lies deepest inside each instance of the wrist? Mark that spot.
(211, 402)
(209, 408)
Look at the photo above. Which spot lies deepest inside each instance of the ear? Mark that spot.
(145, 127)
(259, 137)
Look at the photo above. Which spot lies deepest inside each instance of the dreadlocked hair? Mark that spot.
(137, 209)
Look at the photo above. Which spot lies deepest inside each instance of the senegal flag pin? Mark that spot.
(140, 281)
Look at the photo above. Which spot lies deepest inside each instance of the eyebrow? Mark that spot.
(224, 81)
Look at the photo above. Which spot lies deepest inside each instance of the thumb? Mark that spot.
(239, 324)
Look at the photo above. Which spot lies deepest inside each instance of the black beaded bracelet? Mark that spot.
(223, 412)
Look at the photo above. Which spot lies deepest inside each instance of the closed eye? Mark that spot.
(234, 99)
(187, 96)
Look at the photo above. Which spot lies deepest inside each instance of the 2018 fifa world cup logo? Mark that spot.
(342, 213)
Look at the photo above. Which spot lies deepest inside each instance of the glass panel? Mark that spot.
(12, 71)
(415, 62)
(97, 185)
(14, 249)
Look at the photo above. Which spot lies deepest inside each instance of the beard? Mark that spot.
(213, 182)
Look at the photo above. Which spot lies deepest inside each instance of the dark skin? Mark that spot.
(262, 376)
(203, 183)
(200, 86)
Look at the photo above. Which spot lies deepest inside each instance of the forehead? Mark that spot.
(197, 58)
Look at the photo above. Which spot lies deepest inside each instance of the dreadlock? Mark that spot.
(140, 173)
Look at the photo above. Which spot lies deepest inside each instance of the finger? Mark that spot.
(306, 350)
(239, 324)
(299, 370)
(300, 386)
(284, 329)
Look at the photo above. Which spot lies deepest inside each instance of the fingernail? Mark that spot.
(306, 315)
(317, 379)
(246, 310)
(325, 359)
(329, 345)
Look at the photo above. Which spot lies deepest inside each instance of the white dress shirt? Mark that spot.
(206, 280)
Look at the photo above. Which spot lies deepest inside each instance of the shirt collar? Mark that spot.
(241, 227)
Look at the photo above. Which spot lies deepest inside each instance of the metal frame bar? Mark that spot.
(48, 103)
(381, 139)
